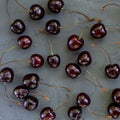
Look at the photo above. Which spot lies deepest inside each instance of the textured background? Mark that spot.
(100, 100)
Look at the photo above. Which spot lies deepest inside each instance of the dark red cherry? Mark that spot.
(24, 41)
(73, 70)
(83, 100)
(53, 27)
(37, 61)
(47, 114)
(30, 103)
(75, 43)
(31, 80)
(21, 91)
(116, 95)
(114, 110)
(17, 27)
(37, 12)
(84, 58)
(75, 113)
(53, 60)
(6, 75)
(112, 71)
(55, 5)
(98, 31)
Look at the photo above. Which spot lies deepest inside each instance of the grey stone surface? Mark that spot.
(100, 100)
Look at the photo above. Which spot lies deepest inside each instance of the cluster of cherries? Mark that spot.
(74, 43)
(114, 108)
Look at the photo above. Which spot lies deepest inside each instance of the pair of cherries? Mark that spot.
(83, 101)
(114, 108)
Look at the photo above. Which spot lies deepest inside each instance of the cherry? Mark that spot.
(98, 31)
(18, 26)
(72, 70)
(55, 6)
(6, 75)
(116, 95)
(75, 113)
(83, 100)
(24, 41)
(31, 81)
(47, 114)
(112, 71)
(37, 12)
(75, 42)
(30, 103)
(53, 27)
(53, 60)
(21, 91)
(84, 58)
(37, 61)
(114, 110)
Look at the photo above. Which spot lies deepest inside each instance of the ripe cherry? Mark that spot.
(98, 31)
(112, 71)
(114, 110)
(83, 100)
(6, 75)
(21, 91)
(84, 58)
(116, 95)
(24, 41)
(18, 26)
(55, 6)
(75, 42)
(37, 12)
(53, 27)
(37, 61)
(31, 80)
(30, 103)
(53, 60)
(47, 114)
(72, 70)
(75, 113)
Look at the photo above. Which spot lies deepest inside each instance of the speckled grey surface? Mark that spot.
(100, 100)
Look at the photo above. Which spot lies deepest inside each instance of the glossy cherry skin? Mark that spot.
(24, 41)
(37, 61)
(84, 58)
(31, 81)
(83, 100)
(98, 31)
(75, 113)
(55, 6)
(53, 60)
(53, 27)
(6, 75)
(72, 70)
(37, 12)
(112, 71)
(18, 26)
(21, 91)
(114, 110)
(75, 43)
(47, 114)
(116, 95)
(30, 103)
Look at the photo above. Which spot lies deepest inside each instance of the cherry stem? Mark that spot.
(21, 5)
(55, 86)
(10, 18)
(80, 13)
(81, 35)
(4, 52)
(105, 51)
(11, 99)
(62, 104)
(110, 4)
